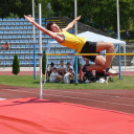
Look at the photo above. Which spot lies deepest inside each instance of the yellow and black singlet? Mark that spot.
(72, 41)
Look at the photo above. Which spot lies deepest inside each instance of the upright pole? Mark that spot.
(118, 27)
(40, 50)
(34, 60)
(76, 27)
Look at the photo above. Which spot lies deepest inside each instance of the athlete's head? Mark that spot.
(53, 27)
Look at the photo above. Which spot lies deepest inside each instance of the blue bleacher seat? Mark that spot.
(24, 31)
(21, 56)
(49, 61)
(21, 41)
(28, 36)
(12, 41)
(19, 36)
(20, 31)
(52, 51)
(10, 31)
(29, 31)
(12, 52)
(13, 46)
(27, 62)
(18, 46)
(22, 19)
(72, 50)
(57, 51)
(29, 23)
(43, 23)
(0, 19)
(2, 51)
(9, 37)
(25, 27)
(0, 36)
(37, 36)
(1, 57)
(37, 31)
(3, 27)
(11, 57)
(15, 31)
(29, 27)
(37, 51)
(7, 51)
(8, 23)
(27, 46)
(36, 41)
(31, 57)
(21, 23)
(36, 46)
(43, 19)
(49, 40)
(68, 51)
(17, 19)
(13, 19)
(6, 57)
(1, 31)
(17, 41)
(4, 19)
(16, 27)
(12, 27)
(12, 23)
(37, 62)
(17, 52)
(6, 32)
(30, 41)
(62, 51)
(37, 56)
(5, 37)
(22, 46)
(27, 51)
(45, 41)
(7, 27)
(23, 62)
(3, 23)
(26, 56)
(14, 36)
(8, 19)
(3, 41)
(25, 23)
(7, 63)
(25, 41)
(24, 36)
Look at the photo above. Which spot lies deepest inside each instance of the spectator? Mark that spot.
(55, 77)
(128, 36)
(68, 66)
(61, 68)
(89, 74)
(49, 70)
(6, 46)
(69, 76)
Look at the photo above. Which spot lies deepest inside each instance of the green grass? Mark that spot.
(28, 81)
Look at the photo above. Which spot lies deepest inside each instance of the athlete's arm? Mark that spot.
(70, 25)
(48, 32)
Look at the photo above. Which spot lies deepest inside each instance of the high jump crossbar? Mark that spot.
(89, 54)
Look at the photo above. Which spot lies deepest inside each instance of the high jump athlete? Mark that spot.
(81, 45)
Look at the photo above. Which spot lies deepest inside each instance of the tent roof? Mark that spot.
(94, 37)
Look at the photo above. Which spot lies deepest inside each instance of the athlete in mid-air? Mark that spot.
(81, 45)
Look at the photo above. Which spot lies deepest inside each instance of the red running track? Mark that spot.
(128, 73)
(35, 116)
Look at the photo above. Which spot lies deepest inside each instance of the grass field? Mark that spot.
(28, 81)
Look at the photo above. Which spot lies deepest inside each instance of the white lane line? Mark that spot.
(79, 98)
(2, 99)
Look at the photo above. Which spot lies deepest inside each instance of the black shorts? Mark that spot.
(89, 47)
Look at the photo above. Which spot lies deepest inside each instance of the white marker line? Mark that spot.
(79, 98)
(2, 99)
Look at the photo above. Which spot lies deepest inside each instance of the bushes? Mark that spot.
(15, 66)
(44, 62)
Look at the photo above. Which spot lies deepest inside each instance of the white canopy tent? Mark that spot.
(94, 37)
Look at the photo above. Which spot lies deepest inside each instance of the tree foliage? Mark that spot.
(15, 66)
(102, 12)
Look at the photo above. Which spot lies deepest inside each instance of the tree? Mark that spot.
(15, 66)
(102, 12)
(44, 62)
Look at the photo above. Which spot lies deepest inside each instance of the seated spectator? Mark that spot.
(49, 69)
(69, 76)
(6, 46)
(61, 68)
(69, 66)
(87, 75)
(55, 77)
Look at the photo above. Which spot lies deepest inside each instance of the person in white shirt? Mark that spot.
(49, 69)
(55, 77)
(68, 66)
(61, 68)
(69, 76)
